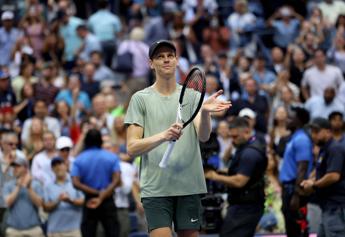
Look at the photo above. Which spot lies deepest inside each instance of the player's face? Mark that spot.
(164, 62)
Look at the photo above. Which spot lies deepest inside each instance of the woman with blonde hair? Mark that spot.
(35, 142)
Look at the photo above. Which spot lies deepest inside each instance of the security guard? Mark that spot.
(329, 183)
(245, 181)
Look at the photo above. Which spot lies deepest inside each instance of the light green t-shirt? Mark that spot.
(184, 173)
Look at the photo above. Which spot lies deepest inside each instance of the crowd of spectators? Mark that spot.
(69, 66)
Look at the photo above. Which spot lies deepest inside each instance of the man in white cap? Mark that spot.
(64, 146)
(8, 37)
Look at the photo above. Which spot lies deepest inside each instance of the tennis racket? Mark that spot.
(191, 98)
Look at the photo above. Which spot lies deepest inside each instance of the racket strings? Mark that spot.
(196, 81)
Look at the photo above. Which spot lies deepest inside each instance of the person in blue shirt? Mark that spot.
(106, 26)
(296, 166)
(96, 172)
(74, 94)
(63, 202)
(23, 197)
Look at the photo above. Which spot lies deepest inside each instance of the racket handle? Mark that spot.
(166, 156)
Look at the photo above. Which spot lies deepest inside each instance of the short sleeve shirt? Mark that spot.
(23, 214)
(184, 174)
(332, 159)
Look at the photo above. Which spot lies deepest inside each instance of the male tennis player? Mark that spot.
(169, 195)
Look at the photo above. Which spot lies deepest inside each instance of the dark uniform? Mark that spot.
(332, 198)
(246, 203)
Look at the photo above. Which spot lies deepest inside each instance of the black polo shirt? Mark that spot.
(250, 162)
(331, 159)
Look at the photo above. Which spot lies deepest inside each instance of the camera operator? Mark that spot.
(245, 181)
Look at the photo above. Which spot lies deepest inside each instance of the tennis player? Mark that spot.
(169, 195)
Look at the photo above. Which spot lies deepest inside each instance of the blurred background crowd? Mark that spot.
(68, 66)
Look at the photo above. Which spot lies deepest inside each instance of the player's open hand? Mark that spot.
(213, 104)
(173, 133)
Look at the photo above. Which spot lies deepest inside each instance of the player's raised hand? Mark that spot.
(213, 104)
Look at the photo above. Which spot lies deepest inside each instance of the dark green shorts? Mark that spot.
(183, 211)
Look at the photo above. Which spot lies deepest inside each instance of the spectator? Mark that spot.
(53, 48)
(341, 93)
(99, 202)
(26, 107)
(89, 84)
(23, 199)
(113, 105)
(102, 72)
(336, 54)
(286, 28)
(317, 78)
(8, 37)
(275, 89)
(138, 78)
(242, 23)
(261, 75)
(90, 43)
(228, 77)
(159, 27)
(7, 97)
(66, 117)
(73, 95)
(295, 63)
(107, 27)
(331, 10)
(120, 141)
(35, 28)
(225, 143)
(64, 146)
(35, 143)
(26, 75)
(253, 100)
(277, 56)
(279, 133)
(323, 106)
(41, 168)
(63, 202)
(21, 54)
(212, 86)
(45, 89)
(68, 25)
(103, 119)
(336, 120)
(41, 112)
(8, 153)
